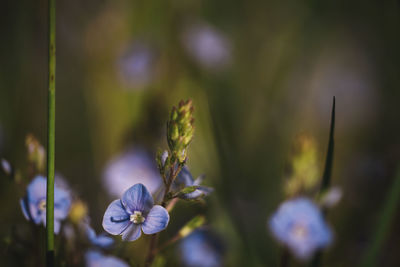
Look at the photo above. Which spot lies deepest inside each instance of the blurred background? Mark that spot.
(260, 74)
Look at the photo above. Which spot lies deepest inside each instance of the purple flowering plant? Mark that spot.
(133, 213)
(137, 211)
(299, 223)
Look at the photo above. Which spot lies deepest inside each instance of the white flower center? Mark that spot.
(42, 205)
(137, 217)
(299, 231)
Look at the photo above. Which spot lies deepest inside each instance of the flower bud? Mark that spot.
(303, 174)
(192, 225)
(180, 129)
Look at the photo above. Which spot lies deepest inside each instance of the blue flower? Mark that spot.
(101, 240)
(96, 259)
(34, 203)
(185, 179)
(133, 213)
(131, 167)
(201, 249)
(209, 47)
(136, 66)
(300, 226)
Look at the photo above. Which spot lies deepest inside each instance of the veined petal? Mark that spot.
(116, 219)
(156, 221)
(137, 198)
(132, 233)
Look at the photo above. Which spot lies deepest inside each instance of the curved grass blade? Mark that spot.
(326, 177)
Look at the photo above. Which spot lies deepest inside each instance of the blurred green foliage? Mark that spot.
(288, 59)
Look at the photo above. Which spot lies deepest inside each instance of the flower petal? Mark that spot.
(116, 219)
(94, 258)
(62, 203)
(57, 226)
(199, 192)
(24, 207)
(199, 180)
(137, 198)
(132, 233)
(156, 221)
(103, 241)
(36, 190)
(37, 215)
(184, 177)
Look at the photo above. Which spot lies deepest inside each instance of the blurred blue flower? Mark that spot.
(300, 226)
(34, 203)
(136, 65)
(96, 259)
(185, 179)
(6, 166)
(101, 240)
(134, 212)
(209, 47)
(131, 167)
(201, 249)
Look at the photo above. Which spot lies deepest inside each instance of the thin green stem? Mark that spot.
(154, 238)
(383, 227)
(51, 135)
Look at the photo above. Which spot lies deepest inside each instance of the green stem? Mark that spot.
(154, 238)
(383, 227)
(51, 135)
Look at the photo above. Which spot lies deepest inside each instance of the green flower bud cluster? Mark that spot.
(180, 129)
(36, 153)
(303, 168)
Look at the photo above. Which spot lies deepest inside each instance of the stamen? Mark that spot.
(137, 217)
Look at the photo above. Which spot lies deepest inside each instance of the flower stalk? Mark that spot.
(180, 131)
(51, 135)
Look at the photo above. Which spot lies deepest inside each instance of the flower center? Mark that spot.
(42, 205)
(299, 231)
(137, 217)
